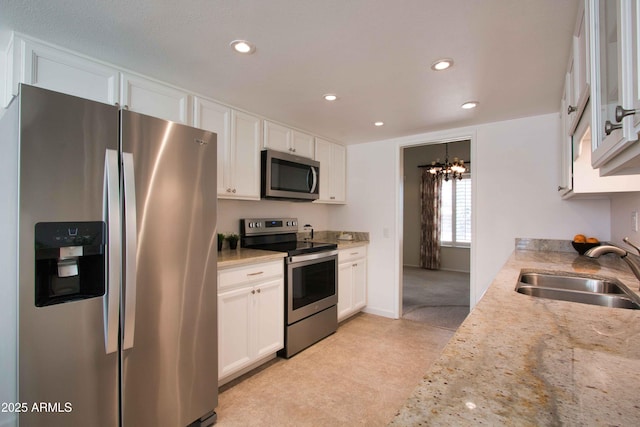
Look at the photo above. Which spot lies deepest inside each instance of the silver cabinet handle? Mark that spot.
(112, 213)
(571, 109)
(255, 274)
(131, 244)
(354, 265)
(560, 188)
(610, 127)
(621, 113)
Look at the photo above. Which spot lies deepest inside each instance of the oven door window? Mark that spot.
(289, 176)
(313, 282)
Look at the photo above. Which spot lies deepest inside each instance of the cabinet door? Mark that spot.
(216, 118)
(635, 64)
(246, 136)
(345, 289)
(269, 309)
(359, 283)
(339, 174)
(332, 158)
(155, 99)
(277, 137)
(323, 155)
(302, 144)
(235, 325)
(64, 72)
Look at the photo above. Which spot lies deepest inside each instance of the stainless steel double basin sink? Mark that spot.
(575, 288)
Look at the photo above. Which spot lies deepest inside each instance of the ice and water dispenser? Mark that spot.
(70, 261)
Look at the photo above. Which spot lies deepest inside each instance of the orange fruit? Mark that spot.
(579, 238)
(592, 240)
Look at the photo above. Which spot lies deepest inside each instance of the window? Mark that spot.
(455, 212)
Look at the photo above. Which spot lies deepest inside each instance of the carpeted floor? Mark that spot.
(436, 297)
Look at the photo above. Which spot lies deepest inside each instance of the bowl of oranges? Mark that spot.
(582, 244)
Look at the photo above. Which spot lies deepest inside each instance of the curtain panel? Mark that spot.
(431, 195)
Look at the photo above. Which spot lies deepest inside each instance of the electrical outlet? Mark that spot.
(634, 221)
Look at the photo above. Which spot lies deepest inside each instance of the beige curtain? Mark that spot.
(431, 194)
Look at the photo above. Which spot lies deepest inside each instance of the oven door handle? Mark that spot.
(313, 256)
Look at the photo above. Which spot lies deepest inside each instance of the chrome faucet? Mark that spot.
(632, 260)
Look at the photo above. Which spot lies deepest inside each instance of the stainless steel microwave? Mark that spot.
(289, 177)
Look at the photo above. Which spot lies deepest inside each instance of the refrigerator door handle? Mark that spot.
(114, 255)
(131, 245)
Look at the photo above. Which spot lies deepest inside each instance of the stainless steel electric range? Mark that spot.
(311, 275)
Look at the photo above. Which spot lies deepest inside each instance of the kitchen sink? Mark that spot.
(575, 288)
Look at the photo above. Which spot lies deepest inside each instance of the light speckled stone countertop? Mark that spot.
(242, 256)
(526, 361)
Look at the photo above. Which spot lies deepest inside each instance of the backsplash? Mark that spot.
(332, 236)
(544, 245)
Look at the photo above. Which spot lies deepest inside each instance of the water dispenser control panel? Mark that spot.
(70, 261)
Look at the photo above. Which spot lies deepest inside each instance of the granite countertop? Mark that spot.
(243, 256)
(526, 361)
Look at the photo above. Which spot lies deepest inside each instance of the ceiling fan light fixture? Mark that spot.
(442, 64)
(243, 46)
(330, 96)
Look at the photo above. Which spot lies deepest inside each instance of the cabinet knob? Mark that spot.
(228, 190)
(560, 188)
(332, 197)
(610, 127)
(571, 109)
(253, 291)
(233, 191)
(258, 290)
(621, 113)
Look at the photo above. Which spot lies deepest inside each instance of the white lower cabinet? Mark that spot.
(250, 317)
(352, 281)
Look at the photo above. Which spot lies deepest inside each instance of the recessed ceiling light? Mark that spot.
(442, 64)
(243, 46)
(378, 123)
(330, 97)
(470, 104)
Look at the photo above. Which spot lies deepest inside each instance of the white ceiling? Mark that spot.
(510, 55)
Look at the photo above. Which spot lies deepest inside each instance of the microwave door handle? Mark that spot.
(112, 218)
(315, 179)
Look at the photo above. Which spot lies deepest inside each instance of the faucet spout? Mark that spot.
(633, 264)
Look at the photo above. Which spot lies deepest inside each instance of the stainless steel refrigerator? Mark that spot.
(117, 255)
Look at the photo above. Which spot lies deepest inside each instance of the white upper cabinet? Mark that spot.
(282, 138)
(614, 95)
(584, 181)
(216, 118)
(578, 74)
(238, 138)
(155, 99)
(61, 71)
(244, 157)
(333, 163)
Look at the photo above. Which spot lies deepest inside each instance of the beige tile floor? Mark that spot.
(359, 376)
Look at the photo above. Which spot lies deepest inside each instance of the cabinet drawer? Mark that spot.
(352, 253)
(231, 277)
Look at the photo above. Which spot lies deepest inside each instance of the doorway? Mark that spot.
(438, 297)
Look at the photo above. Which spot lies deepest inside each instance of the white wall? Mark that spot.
(373, 206)
(515, 178)
(621, 207)
(9, 262)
